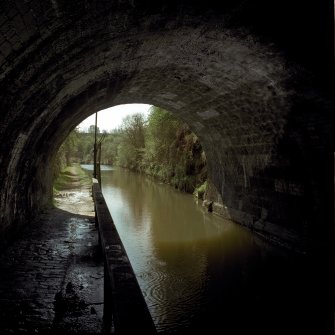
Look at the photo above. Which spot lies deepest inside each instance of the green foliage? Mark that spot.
(199, 192)
(67, 152)
(127, 155)
(109, 150)
(71, 176)
(161, 131)
(133, 128)
(132, 142)
(172, 152)
(162, 146)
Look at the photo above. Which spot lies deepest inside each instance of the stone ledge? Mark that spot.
(124, 302)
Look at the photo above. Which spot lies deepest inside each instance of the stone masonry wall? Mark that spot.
(256, 92)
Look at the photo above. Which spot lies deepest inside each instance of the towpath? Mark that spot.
(51, 278)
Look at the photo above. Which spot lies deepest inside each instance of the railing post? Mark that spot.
(96, 218)
(98, 164)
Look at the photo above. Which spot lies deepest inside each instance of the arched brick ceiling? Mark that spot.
(244, 88)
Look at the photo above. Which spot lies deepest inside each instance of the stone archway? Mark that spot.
(260, 111)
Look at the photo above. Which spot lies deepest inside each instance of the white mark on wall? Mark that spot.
(167, 95)
(208, 114)
(134, 89)
(176, 104)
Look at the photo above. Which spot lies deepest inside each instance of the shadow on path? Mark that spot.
(52, 276)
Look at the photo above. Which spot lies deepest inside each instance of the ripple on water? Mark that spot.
(173, 298)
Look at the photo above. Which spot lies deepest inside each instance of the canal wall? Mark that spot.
(290, 239)
(125, 310)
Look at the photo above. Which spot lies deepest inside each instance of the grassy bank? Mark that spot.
(72, 177)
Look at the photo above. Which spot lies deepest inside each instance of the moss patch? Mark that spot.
(199, 192)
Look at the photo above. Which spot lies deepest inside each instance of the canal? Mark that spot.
(197, 271)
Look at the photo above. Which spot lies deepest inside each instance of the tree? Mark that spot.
(91, 129)
(173, 153)
(133, 129)
(132, 141)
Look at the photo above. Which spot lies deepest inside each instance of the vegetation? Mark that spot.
(199, 192)
(161, 146)
(70, 177)
(173, 153)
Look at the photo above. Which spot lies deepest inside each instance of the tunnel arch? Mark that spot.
(258, 113)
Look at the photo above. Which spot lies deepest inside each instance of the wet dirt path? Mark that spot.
(51, 278)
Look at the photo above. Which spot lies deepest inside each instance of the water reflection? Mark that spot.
(197, 271)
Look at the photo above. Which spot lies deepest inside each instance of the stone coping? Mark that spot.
(125, 306)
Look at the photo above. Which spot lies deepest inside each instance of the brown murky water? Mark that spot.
(197, 271)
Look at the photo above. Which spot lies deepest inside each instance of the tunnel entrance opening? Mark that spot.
(144, 139)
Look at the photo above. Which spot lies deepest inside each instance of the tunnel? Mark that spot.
(252, 79)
